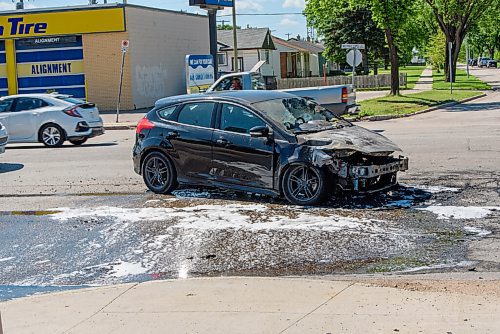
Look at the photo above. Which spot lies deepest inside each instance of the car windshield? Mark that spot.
(297, 115)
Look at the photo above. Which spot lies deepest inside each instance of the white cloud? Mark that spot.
(301, 4)
(245, 7)
(289, 21)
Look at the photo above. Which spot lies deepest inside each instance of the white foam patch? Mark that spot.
(5, 259)
(441, 266)
(209, 217)
(437, 189)
(123, 269)
(460, 212)
(477, 231)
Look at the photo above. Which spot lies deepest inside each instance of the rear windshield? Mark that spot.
(71, 99)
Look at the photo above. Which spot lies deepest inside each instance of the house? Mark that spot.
(254, 45)
(298, 58)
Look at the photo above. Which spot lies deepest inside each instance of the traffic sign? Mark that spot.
(354, 57)
(125, 45)
(353, 46)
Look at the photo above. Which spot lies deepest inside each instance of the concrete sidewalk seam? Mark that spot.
(100, 310)
(317, 308)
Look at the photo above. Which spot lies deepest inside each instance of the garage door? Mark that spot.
(51, 64)
(3, 70)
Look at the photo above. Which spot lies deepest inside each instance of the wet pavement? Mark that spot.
(199, 232)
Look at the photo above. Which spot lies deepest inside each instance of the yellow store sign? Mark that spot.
(66, 22)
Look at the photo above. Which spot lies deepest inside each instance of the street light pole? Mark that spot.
(235, 40)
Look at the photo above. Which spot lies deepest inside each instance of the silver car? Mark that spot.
(3, 138)
(50, 119)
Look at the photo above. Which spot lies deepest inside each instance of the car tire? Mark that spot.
(158, 173)
(78, 142)
(52, 135)
(305, 184)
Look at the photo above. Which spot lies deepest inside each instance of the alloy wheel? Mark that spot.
(303, 183)
(51, 136)
(157, 172)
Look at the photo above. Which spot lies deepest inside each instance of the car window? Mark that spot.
(70, 99)
(199, 114)
(25, 103)
(6, 105)
(166, 113)
(258, 82)
(230, 83)
(237, 119)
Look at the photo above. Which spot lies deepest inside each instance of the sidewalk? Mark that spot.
(424, 83)
(127, 119)
(352, 304)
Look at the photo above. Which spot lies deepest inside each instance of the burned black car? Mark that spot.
(265, 142)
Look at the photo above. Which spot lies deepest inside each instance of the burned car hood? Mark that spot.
(352, 137)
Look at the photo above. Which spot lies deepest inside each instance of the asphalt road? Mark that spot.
(79, 215)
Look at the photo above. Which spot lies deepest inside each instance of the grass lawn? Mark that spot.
(413, 72)
(407, 104)
(461, 82)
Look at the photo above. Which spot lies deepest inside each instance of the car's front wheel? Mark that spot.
(305, 184)
(159, 173)
(52, 135)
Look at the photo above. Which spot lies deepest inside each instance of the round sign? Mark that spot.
(350, 57)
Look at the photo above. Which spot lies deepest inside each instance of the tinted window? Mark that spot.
(5, 105)
(25, 103)
(227, 84)
(237, 119)
(199, 114)
(167, 112)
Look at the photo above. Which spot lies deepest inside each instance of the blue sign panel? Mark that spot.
(199, 73)
(212, 3)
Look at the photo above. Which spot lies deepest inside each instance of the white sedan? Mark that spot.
(49, 119)
(3, 138)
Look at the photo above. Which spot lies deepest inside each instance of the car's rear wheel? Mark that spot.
(78, 142)
(52, 135)
(305, 184)
(159, 173)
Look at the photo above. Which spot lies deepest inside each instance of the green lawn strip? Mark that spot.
(410, 103)
(413, 72)
(461, 82)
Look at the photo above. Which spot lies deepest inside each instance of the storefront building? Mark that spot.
(77, 51)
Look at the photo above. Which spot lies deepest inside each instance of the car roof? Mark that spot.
(41, 95)
(245, 96)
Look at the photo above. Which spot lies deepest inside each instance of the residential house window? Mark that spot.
(240, 64)
(222, 59)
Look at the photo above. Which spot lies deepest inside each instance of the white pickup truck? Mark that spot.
(339, 99)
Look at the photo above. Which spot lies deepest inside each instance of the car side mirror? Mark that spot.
(261, 131)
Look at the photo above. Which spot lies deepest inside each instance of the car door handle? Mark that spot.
(172, 135)
(223, 142)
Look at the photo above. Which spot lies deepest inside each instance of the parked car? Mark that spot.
(340, 99)
(3, 138)
(492, 63)
(483, 62)
(50, 119)
(267, 142)
(473, 62)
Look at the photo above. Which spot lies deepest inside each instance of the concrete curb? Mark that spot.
(119, 126)
(436, 107)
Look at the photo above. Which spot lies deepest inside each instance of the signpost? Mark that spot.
(125, 46)
(199, 73)
(212, 6)
(451, 69)
(354, 57)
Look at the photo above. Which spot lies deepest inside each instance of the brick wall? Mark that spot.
(102, 60)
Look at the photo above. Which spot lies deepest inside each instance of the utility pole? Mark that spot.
(235, 40)
(288, 36)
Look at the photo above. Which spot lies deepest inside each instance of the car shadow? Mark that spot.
(8, 167)
(396, 198)
(62, 147)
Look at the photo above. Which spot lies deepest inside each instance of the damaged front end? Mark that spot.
(358, 159)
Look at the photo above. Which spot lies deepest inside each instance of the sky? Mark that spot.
(280, 25)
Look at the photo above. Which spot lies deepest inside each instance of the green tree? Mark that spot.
(435, 51)
(455, 19)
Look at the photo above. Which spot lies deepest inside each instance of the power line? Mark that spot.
(262, 14)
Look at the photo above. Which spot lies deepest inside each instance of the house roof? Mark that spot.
(310, 47)
(254, 38)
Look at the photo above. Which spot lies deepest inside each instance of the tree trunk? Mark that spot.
(375, 67)
(393, 56)
(366, 68)
(456, 40)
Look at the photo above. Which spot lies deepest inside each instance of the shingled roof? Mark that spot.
(248, 39)
(311, 47)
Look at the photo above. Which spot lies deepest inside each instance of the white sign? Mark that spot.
(125, 45)
(353, 46)
(199, 73)
(354, 56)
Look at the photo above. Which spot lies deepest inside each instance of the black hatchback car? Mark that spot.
(265, 142)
